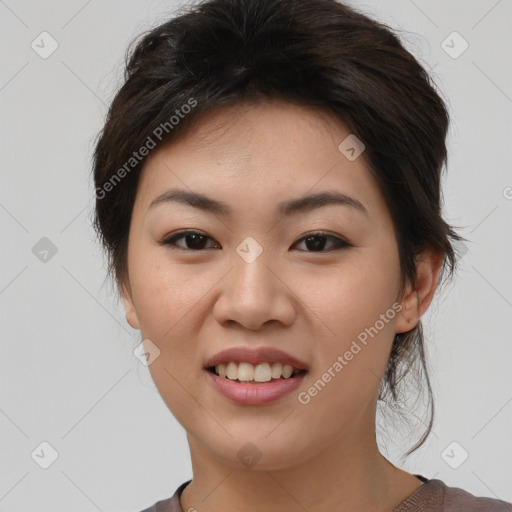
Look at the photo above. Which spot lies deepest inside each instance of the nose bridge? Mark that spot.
(252, 276)
(252, 293)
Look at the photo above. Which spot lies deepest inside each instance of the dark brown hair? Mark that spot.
(318, 53)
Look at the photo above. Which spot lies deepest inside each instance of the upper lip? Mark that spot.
(255, 356)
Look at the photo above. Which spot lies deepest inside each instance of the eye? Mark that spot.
(316, 242)
(196, 241)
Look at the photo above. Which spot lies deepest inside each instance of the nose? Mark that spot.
(254, 294)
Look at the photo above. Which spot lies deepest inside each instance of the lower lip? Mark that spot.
(254, 394)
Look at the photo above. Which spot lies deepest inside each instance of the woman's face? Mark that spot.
(257, 276)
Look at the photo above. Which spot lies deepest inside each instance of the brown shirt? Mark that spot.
(432, 496)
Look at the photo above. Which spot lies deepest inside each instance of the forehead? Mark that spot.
(257, 154)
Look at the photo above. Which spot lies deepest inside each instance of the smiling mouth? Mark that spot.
(246, 373)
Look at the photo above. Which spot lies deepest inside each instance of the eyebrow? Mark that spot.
(292, 206)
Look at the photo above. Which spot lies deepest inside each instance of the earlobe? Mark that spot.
(418, 299)
(129, 308)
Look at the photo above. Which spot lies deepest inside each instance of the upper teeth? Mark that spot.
(262, 372)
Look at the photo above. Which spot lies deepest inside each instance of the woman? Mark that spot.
(268, 193)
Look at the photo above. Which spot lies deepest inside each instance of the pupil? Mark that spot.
(319, 245)
(197, 243)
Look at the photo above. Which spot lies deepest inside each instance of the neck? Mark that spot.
(347, 475)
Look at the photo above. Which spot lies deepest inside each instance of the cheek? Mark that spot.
(172, 304)
(354, 319)
(351, 296)
(164, 292)
(168, 303)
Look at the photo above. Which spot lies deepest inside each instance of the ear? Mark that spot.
(418, 297)
(129, 308)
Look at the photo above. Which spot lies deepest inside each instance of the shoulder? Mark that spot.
(436, 496)
(459, 500)
(171, 504)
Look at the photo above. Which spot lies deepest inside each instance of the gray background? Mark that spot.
(68, 373)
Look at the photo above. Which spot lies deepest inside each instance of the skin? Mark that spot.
(310, 303)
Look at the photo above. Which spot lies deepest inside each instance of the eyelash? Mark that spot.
(339, 243)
